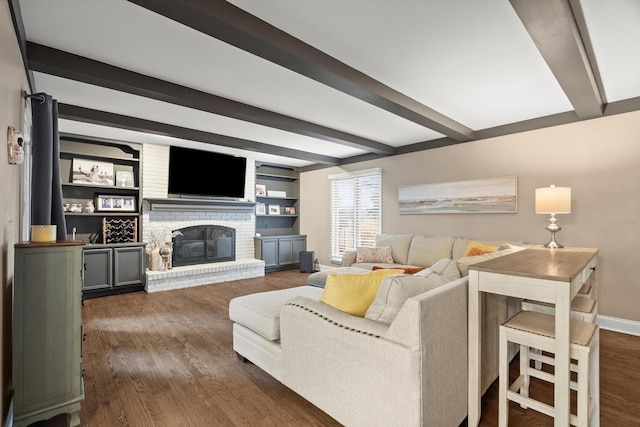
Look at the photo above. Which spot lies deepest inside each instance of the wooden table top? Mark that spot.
(563, 264)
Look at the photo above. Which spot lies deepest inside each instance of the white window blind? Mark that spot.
(356, 210)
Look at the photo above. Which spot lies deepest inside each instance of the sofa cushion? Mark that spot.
(406, 270)
(399, 245)
(465, 262)
(354, 293)
(478, 248)
(260, 311)
(395, 290)
(377, 254)
(461, 243)
(426, 250)
(319, 278)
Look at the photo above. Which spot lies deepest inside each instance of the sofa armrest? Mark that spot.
(337, 317)
(349, 258)
(437, 314)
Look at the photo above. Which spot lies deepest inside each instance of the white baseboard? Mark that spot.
(619, 325)
(9, 421)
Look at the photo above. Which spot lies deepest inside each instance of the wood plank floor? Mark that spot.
(166, 359)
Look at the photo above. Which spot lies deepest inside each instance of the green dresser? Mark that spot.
(47, 331)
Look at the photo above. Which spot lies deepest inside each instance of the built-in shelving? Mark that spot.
(279, 242)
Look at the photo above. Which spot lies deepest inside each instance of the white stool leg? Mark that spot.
(503, 382)
(524, 371)
(583, 388)
(595, 380)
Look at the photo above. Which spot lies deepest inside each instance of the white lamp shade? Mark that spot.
(556, 200)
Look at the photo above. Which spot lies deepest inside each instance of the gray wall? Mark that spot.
(599, 159)
(12, 82)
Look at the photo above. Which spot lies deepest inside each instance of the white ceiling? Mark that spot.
(474, 62)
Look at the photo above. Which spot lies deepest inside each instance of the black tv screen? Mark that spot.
(198, 173)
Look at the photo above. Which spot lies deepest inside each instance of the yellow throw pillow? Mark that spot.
(477, 248)
(353, 293)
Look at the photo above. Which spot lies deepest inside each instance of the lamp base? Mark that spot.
(553, 228)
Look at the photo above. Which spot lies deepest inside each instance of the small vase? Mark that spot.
(165, 252)
(155, 260)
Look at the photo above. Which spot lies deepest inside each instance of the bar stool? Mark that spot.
(582, 308)
(535, 331)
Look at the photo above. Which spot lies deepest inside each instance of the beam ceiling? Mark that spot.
(232, 25)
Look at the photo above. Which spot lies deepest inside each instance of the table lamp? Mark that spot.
(553, 200)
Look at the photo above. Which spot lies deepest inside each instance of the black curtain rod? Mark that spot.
(39, 96)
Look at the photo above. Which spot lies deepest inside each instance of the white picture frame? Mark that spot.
(261, 209)
(274, 209)
(92, 172)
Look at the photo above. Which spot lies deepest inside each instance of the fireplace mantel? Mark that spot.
(191, 205)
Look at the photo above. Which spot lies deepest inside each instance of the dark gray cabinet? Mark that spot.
(112, 269)
(280, 252)
(47, 332)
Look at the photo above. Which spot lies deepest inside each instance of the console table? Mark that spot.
(547, 275)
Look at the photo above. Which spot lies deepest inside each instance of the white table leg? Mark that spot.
(562, 356)
(474, 351)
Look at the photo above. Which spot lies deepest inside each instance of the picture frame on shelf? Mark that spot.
(274, 209)
(261, 190)
(290, 210)
(261, 209)
(125, 179)
(276, 193)
(91, 172)
(115, 203)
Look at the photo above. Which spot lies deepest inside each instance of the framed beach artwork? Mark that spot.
(490, 195)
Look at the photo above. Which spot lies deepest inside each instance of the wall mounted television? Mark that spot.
(205, 174)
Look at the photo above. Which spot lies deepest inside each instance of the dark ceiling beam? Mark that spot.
(18, 25)
(103, 118)
(552, 26)
(63, 64)
(232, 25)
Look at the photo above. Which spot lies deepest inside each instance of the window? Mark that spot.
(356, 210)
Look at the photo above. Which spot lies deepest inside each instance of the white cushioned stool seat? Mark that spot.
(535, 331)
(582, 308)
(260, 311)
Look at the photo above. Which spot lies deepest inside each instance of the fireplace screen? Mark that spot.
(204, 244)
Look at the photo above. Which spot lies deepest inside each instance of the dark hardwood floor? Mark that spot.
(166, 359)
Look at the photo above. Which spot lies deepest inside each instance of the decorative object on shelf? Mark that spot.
(290, 210)
(119, 230)
(43, 233)
(165, 252)
(261, 190)
(261, 209)
(274, 209)
(275, 193)
(124, 179)
(89, 207)
(75, 208)
(116, 203)
(491, 195)
(67, 207)
(92, 172)
(553, 200)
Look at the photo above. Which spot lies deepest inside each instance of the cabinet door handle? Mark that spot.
(85, 266)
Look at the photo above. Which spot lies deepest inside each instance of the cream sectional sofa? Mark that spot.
(405, 364)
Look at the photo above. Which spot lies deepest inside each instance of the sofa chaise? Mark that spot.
(404, 362)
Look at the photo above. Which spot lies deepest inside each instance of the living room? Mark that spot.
(599, 158)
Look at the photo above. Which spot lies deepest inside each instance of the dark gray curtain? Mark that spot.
(46, 187)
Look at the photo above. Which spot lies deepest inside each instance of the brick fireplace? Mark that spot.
(165, 216)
